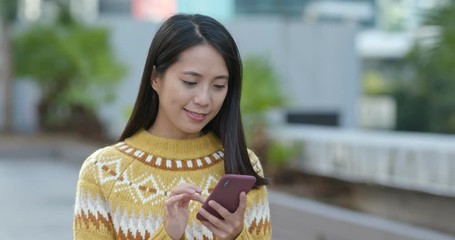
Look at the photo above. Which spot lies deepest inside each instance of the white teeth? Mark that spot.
(196, 114)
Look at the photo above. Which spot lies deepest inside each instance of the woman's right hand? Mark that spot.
(176, 208)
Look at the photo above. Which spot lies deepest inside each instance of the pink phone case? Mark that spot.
(226, 193)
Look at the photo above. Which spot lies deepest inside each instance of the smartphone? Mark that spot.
(226, 193)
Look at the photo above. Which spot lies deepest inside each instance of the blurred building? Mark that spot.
(46, 10)
(115, 7)
(388, 14)
(382, 32)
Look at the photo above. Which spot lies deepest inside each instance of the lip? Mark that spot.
(195, 116)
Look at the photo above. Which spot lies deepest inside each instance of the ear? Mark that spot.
(155, 80)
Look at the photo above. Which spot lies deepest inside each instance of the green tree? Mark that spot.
(260, 93)
(8, 9)
(261, 90)
(74, 66)
(427, 103)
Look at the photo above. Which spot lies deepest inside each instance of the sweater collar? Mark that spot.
(175, 148)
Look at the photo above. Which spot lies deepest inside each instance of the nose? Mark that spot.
(202, 97)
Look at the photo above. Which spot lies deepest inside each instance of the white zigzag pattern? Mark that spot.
(211, 180)
(259, 211)
(91, 204)
(196, 230)
(124, 222)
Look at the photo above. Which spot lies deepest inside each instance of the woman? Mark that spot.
(185, 132)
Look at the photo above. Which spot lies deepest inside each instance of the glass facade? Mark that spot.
(287, 8)
(122, 7)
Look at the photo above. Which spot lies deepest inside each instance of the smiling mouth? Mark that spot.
(197, 117)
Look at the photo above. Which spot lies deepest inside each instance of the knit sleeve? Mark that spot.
(257, 215)
(256, 163)
(161, 234)
(97, 213)
(92, 219)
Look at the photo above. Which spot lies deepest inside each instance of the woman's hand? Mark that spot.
(176, 208)
(231, 226)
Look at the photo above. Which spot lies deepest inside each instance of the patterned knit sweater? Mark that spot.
(122, 188)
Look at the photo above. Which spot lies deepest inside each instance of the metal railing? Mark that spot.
(413, 161)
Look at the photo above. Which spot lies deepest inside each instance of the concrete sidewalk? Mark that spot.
(300, 218)
(68, 148)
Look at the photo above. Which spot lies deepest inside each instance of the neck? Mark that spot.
(159, 132)
(175, 148)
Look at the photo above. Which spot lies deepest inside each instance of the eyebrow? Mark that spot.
(195, 74)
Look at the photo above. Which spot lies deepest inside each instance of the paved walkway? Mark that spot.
(37, 197)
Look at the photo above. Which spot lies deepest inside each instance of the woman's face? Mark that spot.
(191, 93)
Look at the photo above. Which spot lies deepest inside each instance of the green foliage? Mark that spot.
(280, 152)
(260, 92)
(430, 97)
(375, 84)
(68, 62)
(73, 64)
(261, 89)
(8, 10)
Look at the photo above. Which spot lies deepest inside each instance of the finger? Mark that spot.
(219, 233)
(197, 197)
(173, 200)
(211, 227)
(186, 188)
(242, 203)
(195, 187)
(171, 205)
(182, 197)
(183, 200)
(192, 197)
(210, 218)
(220, 209)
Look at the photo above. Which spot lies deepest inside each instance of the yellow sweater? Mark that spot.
(122, 188)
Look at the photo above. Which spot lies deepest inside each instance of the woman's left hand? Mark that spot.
(232, 225)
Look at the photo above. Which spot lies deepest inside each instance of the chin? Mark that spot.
(192, 130)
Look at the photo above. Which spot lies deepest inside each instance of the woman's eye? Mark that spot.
(220, 86)
(189, 83)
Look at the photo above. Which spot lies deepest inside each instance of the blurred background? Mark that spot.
(350, 104)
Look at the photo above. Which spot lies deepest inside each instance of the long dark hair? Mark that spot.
(175, 35)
